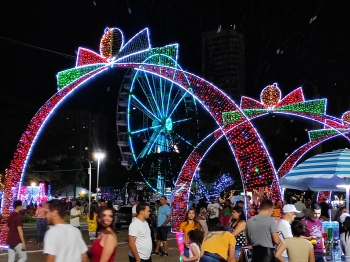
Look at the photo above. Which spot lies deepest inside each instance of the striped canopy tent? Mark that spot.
(329, 171)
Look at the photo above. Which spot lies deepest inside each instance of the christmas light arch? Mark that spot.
(241, 135)
(233, 121)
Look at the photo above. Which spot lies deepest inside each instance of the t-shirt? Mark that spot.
(133, 211)
(65, 242)
(298, 249)
(187, 227)
(214, 210)
(284, 232)
(75, 221)
(259, 229)
(142, 232)
(300, 207)
(198, 250)
(14, 221)
(92, 223)
(218, 242)
(163, 211)
(314, 228)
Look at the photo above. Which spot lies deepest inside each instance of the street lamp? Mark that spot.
(99, 157)
(89, 173)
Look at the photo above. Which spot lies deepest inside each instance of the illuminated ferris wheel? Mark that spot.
(155, 122)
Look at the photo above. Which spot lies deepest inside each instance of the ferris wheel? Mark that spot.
(155, 121)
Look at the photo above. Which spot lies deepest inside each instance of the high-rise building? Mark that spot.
(87, 132)
(223, 61)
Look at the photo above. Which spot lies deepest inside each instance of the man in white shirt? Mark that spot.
(62, 242)
(75, 215)
(301, 208)
(284, 230)
(140, 241)
(213, 210)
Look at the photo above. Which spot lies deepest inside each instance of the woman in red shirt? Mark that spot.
(104, 247)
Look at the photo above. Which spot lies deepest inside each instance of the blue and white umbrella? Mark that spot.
(324, 172)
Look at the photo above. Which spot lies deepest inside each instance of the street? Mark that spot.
(35, 253)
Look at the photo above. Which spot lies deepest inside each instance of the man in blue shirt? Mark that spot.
(163, 225)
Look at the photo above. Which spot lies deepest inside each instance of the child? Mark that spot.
(195, 239)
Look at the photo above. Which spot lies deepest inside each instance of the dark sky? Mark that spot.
(292, 43)
(288, 42)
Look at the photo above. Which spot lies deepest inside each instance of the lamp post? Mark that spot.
(99, 157)
(89, 173)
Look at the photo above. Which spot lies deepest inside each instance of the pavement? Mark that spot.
(35, 253)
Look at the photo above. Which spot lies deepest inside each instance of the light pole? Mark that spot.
(89, 173)
(99, 157)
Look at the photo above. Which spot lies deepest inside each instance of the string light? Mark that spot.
(270, 96)
(217, 187)
(88, 57)
(66, 77)
(111, 43)
(346, 116)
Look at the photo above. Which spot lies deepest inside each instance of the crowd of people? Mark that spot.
(210, 234)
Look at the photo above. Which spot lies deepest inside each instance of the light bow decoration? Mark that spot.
(233, 121)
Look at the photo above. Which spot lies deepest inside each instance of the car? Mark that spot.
(123, 216)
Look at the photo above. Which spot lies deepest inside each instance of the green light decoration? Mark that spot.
(234, 116)
(256, 170)
(317, 107)
(66, 77)
(318, 134)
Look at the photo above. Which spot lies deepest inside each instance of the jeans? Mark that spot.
(132, 259)
(319, 257)
(12, 254)
(208, 257)
(238, 250)
(41, 225)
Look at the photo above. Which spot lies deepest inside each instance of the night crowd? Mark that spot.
(212, 232)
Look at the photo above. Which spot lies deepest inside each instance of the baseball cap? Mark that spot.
(343, 216)
(290, 208)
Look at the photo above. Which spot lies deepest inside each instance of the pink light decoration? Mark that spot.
(180, 239)
(293, 97)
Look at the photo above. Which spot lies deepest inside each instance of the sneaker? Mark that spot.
(155, 253)
(164, 255)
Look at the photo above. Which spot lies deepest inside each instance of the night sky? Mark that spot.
(293, 43)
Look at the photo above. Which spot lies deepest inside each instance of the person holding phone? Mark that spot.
(75, 215)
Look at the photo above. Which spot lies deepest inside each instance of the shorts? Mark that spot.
(162, 233)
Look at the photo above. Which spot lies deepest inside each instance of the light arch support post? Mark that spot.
(245, 143)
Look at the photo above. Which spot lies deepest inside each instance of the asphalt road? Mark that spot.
(35, 253)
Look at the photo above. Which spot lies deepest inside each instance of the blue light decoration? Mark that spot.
(216, 188)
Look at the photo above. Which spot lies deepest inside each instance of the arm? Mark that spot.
(133, 248)
(231, 254)
(279, 252)
(276, 239)
(311, 255)
(84, 257)
(108, 247)
(50, 258)
(239, 228)
(21, 236)
(167, 220)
